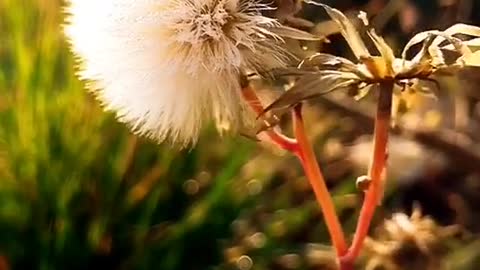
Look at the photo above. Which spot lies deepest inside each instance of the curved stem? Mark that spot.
(279, 139)
(302, 148)
(374, 193)
(315, 177)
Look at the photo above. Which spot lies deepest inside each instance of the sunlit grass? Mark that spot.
(77, 189)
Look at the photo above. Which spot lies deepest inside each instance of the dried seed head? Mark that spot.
(323, 73)
(168, 67)
(408, 242)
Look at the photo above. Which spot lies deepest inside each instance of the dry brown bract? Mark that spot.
(408, 242)
(324, 73)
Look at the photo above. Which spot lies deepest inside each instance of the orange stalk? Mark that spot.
(375, 191)
(302, 148)
(315, 177)
(281, 140)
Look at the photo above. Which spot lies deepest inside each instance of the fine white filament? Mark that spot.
(168, 67)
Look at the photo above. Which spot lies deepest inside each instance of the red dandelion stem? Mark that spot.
(375, 190)
(302, 148)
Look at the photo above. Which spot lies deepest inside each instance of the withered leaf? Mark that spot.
(474, 44)
(323, 61)
(423, 62)
(311, 86)
(431, 37)
(465, 29)
(323, 73)
(457, 43)
(425, 37)
(347, 30)
(328, 60)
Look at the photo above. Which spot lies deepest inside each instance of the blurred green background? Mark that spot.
(79, 191)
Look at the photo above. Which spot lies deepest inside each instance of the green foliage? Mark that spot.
(77, 190)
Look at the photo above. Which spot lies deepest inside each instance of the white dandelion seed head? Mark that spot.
(168, 67)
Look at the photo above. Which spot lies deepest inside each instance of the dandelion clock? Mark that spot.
(169, 67)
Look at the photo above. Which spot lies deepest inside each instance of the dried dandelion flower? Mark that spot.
(408, 242)
(168, 67)
(323, 73)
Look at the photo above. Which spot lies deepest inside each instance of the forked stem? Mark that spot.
(375, 190)
(302, 148)
(279, 139)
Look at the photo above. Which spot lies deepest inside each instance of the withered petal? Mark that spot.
(347, 30)
(385, 51)
(465, 29)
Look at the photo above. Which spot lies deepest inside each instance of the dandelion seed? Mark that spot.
(168, 67)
